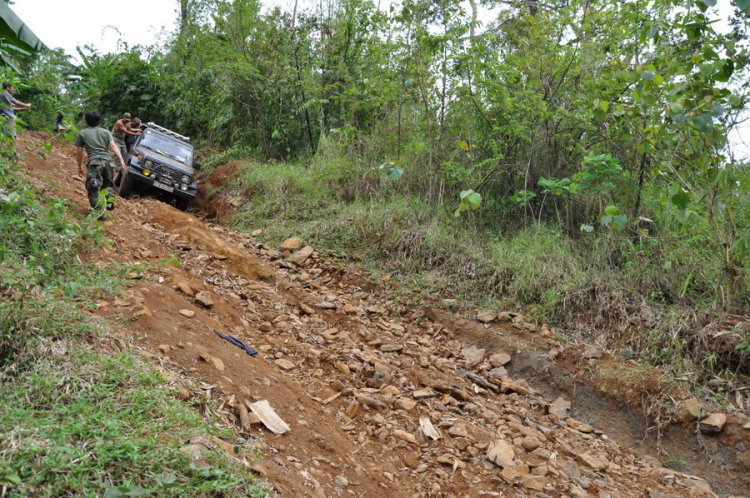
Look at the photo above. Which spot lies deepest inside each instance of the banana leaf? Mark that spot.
(15, 32)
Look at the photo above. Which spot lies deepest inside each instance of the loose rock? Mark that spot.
(713, 424)
(405, 436)
(688, 410)
(499, 359)
(299, 257)
(291, 244)
(285, 364)
(204, 299)
(501, 454)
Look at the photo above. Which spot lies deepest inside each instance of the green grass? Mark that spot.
(77, 422)
(86, 423)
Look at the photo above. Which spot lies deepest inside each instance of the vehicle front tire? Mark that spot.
(182, 204)
(126, 184)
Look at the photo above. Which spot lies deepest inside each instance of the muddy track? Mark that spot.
(385, 394)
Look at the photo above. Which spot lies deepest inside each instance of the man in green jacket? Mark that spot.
(99, 169)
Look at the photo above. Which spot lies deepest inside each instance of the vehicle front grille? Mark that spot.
(166, 172)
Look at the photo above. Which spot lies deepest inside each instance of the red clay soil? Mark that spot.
(383, 397)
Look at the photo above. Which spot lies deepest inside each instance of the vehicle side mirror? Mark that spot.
(196, 166)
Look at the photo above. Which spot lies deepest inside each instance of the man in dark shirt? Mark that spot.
(99, 170)
(9, 105)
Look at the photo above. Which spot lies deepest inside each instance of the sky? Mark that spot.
(69, 23)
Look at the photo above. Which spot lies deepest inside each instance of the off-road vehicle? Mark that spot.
(162, 160)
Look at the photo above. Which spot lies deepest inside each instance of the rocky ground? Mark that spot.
(363, 388)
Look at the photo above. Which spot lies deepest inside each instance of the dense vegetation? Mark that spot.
(567, 156)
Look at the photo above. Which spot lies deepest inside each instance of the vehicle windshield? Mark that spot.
(170, 148)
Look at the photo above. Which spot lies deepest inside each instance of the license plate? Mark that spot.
(163, 187)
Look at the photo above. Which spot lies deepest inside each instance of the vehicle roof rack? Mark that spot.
(168, 132)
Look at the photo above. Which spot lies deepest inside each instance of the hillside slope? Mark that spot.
(384, 394)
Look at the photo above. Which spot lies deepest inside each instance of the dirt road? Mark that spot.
(384, 393)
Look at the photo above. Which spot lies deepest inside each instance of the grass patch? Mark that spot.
(83, 424)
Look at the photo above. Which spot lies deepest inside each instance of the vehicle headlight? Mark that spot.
(148, 164)
(185, 179)
(183, 186)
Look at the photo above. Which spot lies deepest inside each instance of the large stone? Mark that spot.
(499, 373)
(285, 364)
(291, 244)
(406, 404)
(185, 288)
(458, 430)
(405, 436)
(473, 355)
(204, 299)
(713, 424)
(511, 474)
(499, 359)
(299, 257)
(580, 426)
(688, 410)
(391, 348)
(501, 454)
(560, 407)
(593, 461)
(486, 316)
(537, 483)
(187, 313)
(569, 467)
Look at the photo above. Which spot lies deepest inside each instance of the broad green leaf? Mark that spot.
(667, 265)
(604, 105)
(612, 210)
(704, 122)
(679, 118)
(395, 173)
(648, 75)
(620, 221)
(587, 228)
(675, 107)
(474, 200)
(659, 79)
(743, 5)
(681, 200)
(463, 144)
(726, 71)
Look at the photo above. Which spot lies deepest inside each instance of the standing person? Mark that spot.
(135, 127)
(98, 142)
(59, 122)
(120, 131)
(8, 108)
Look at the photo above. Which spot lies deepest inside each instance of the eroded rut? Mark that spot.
(384, 394)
